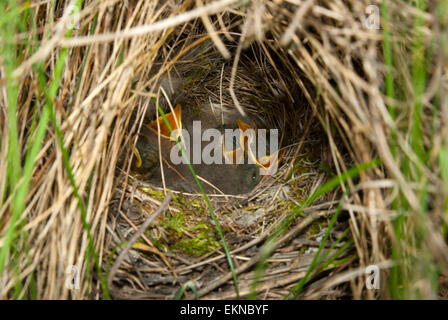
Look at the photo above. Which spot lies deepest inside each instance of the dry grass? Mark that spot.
(346, 96)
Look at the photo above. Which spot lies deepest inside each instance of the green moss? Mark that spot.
(197, 74)
(188, 230)
(156, 194)
(175, 222)
(202, 243)
(317, 227)
(204, 239)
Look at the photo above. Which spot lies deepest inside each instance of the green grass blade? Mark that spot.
(209, 206)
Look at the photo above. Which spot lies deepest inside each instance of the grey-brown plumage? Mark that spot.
(228, 178)
(199, 82)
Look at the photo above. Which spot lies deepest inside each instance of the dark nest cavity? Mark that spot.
(185, 246)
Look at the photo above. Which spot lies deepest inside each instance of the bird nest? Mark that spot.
(312, 69)
(183, 249)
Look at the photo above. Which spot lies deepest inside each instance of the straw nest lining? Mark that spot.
(273, 91)
(329, 63)
(202, 77)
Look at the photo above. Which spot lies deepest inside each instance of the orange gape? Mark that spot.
(235, 155)
(263, 162)
(238, 178)
(174, 119)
